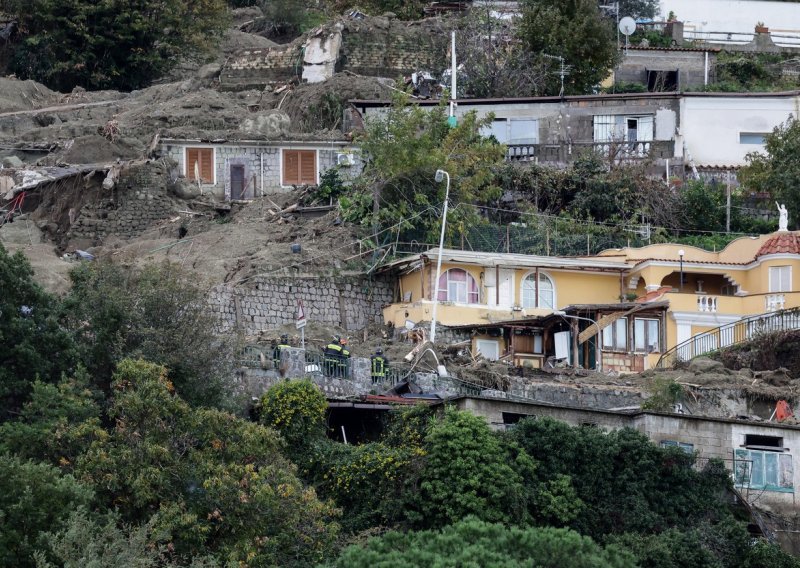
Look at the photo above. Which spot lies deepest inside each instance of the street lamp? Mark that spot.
(599, 341)
(681, 252)
(440, 174)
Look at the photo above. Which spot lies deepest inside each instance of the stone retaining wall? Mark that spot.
(351, 303)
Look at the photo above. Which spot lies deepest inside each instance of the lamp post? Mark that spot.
(599, 341)
(681, 252)
(440, 174)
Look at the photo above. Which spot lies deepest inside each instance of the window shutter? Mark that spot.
(207, 165)
(308, 167)
(291, 167)
(192, 157)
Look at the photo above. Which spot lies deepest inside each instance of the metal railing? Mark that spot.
(730, 334)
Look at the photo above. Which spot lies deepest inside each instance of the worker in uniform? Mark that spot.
(378, 366)
(277, 350)
(332, 355)
(344, 360)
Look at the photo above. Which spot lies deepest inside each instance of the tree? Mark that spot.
(32, 342)
(575, 30)
(121, 44)
(158, 313)
(296, 409)
(495, 63)
(404, 148)
(638, 9)
(92, 541)
(468, 470)
(625, 482)
(209, 482)
(57, 425)
(34, 498)
(472, 542)
(778, 171)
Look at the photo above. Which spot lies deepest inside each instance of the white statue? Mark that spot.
(783, 219)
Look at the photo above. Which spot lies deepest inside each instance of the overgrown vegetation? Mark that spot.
(738, 72)
(114, 44)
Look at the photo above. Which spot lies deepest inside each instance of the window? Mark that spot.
(611, 128)
(513, 131)
(538, 345)
(728, 290)
(751, 137)
(760, 469)
(510, 418)
(200, 164)
(780, 278)
(299, 167)
(457, 285)
(488, 348)
(688, 448)
(646, 335)
(751, 440)
(546, 297)
(615, 336)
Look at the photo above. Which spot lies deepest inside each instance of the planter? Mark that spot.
(762, 30)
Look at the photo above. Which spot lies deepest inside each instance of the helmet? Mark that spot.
(379, 351)
(285, 338)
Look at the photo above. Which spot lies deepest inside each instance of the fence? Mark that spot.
(730, 334)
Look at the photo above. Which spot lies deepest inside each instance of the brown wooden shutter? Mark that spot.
(291, 167)
(308, 167)
(192, 157)
(207, 165)
(204, 158)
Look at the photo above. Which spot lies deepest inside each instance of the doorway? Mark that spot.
(237, 182)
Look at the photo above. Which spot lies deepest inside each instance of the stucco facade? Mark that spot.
(644, 301)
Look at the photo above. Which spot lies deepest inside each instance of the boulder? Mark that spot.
(271, 124)
(12, 162)
(701, 365)
(185, 189)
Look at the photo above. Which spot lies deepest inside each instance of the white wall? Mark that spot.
(734, 15)
(710, 126)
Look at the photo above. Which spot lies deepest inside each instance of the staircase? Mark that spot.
(745, 329)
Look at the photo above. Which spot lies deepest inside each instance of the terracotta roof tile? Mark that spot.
(654, 295)
(787, 243)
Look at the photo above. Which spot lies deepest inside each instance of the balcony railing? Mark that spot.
(730, 334)
(565, 152)
(774, 302)
(707, 304)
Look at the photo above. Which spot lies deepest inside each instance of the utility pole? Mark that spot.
(728, 205)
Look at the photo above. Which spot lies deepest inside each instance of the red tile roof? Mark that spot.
(654, 295)
(781, 243)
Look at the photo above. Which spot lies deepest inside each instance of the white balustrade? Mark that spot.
(707, 303)
(774, 302)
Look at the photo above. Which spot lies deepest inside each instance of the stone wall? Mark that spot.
(375, 47)
(351, 302)
(139, 199)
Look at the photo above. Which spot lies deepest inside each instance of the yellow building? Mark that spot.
(531, 310)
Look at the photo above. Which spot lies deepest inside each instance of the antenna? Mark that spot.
(563, 71)
(627, 26)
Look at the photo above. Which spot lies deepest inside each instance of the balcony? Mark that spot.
(773, 302)
(564, 152)
(707, 304)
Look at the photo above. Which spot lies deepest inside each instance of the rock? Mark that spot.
(701, 365)
(6, 183)
(381, 22)
(185, 189)
(746, 372)
(272, 124)
(777, 378)
(13, 162)
(209, 71)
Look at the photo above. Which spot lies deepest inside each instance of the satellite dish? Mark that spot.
(627, 26)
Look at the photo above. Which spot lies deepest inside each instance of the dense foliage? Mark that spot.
(778, 170)
(575, 30)
(119, 44)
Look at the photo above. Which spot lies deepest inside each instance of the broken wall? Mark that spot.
(375, 47)
(349, 302)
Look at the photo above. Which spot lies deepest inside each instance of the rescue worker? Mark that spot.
(378, 366)
(277, 350)
(332, 357)
(344, 360)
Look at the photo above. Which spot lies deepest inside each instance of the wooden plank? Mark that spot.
(308, 167)
(291, 167)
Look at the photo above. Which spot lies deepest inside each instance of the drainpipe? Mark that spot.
(261, 191)
(705, 70)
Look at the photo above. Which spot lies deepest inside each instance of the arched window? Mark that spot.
(546, 292)
(457, 285)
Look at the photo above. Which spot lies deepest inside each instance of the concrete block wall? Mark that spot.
(690, 66)
(351, 303)
(258, 66)
(139, 199)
